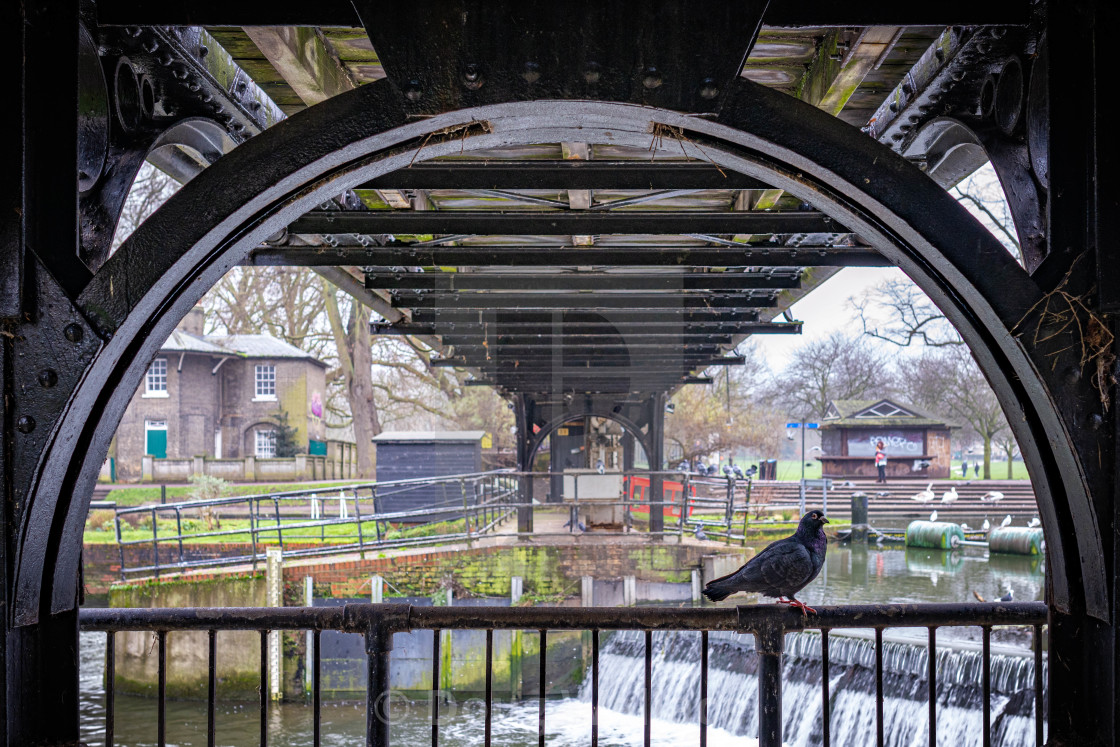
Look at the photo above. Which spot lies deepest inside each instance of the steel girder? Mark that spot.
(746, 255)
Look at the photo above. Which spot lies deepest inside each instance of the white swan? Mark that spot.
(925, 496)
(950, 495)
(992, 496)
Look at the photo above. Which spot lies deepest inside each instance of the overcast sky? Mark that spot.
(826, 309)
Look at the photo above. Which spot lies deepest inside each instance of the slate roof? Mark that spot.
(242, 346)
(394, 436)
(184, 342)
(847, 410)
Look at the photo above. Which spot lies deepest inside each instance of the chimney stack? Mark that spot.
(192, 322)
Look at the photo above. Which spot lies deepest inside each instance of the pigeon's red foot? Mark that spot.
(805, 609)
(783, 600)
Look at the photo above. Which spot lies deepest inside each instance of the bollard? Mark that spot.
(859, 517)
(695, 586)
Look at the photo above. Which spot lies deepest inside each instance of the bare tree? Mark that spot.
(149, 190)
(948, 380)
(982, 194)
(840, 366)
(732, 413)
(355, 362)
(898, 312)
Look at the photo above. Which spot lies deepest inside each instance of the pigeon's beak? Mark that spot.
(824, 519)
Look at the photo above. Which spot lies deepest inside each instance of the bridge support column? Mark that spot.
(656, 453)
(522, 414)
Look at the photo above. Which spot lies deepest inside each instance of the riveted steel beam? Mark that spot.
(560, 223)
(340, 13)
(578, 281)
(657, 330)
(757, 255)
(678, 316)
(563, 175)
(627, 301)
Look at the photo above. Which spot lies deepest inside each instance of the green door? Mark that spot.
(157, 442)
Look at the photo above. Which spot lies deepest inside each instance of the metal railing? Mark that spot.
(480, 501)
(468, 507)
(378, 622)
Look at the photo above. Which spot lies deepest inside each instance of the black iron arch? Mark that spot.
(548, 428)
(140, 294)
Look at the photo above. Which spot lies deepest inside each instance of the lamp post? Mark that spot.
(803, 426)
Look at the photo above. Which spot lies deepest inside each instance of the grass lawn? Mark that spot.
(98, 532)
(999, 470)
(790, 469)
(144, 494)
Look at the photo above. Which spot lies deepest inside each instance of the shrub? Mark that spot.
(208, 488)
(100, 519)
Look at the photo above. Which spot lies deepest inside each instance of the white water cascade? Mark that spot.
(733, 688)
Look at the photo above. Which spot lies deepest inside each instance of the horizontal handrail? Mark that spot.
(357, 617)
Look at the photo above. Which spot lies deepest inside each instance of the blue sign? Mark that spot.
(807, 425)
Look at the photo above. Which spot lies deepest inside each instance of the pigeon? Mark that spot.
(992, 496)
(985, 526)
(600, 467)
(782, 569)
(699, 532)
(738, 472)
(1034, 523)
(1009, 596)
(882, 494)
(1006, 521)
(950, 495)
(933, 516)
(924, 496)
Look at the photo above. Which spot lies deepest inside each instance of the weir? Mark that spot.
(733, 688)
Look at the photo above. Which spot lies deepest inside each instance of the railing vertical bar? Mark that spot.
(489, 685)
(155, 543)
(279, 530)
(211, 684)
(826, 717)
(161, 708)
(379, 649)
(703, 688)
(253, 530)
(316, 699)
(879, 687)
(179, 531)
(932, 681)
(264, 688)
(358, 518)
(543, 689)
(110, 678)
(1038, 712)
(986, 656)
(435, 688)
(594, 688)
(648, 686)
(769, 648)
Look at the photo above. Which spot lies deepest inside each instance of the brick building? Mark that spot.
(917, 443)
(221, 397)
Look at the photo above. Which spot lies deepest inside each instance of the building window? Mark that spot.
(155, 383)
(266, 444)
(265, 382)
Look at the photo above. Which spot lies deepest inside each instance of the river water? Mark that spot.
(875, 575)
